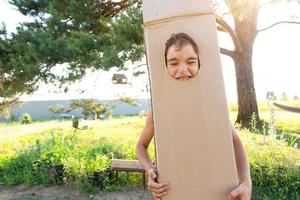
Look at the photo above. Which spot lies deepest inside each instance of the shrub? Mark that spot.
(26, 119)
(274, 165)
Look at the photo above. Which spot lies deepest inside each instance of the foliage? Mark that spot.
(275, 170)
(26, 118)
(284, 124)
(130, 101)
(275, 173)
(5, 111)
(90, 108)
(283, 97)
(245, 15)
(274, 165)
(33, 158)
(271, 96)
(57, 109)
(102, 35)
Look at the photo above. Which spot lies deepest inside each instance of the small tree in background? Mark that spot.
(98, 109)
(90, 108)
(26, 118)
(271, 96)
(283, 97)
(57, 109)
(130, 101)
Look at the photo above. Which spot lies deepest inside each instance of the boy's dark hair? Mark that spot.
(179, 40)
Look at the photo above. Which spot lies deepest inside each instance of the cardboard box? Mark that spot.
(193, 140)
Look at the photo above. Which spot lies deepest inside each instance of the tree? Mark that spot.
(83, 34)
(129, 100)
(244, 14)
(271, 96)
(283, 97)
(57, 109)
(101, 34)
(90, 108)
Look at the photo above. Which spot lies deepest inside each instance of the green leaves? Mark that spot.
(83, 34)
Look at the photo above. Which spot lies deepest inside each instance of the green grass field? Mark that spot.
(286, 121)
(29, 153)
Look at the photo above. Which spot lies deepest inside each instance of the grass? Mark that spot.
(285, 121)
(31, 157)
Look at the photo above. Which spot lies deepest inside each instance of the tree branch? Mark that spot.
(219, 28)
(227, 52)
(225, 26)
(139, 65)
(277, 23)
(6, 103)
(111, 9)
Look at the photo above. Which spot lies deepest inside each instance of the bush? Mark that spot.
(81, 156)
(274, 161)
(275, 167)
(275, 182)
(26, 119)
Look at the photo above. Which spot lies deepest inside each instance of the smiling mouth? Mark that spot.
(184, 78)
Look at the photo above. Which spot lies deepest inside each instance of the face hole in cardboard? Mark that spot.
(182, 57)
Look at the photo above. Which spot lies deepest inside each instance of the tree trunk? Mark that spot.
(246, 31)
(1, 83)
(247, 104)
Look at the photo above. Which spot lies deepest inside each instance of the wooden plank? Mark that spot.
(126, 164)
(194, 149)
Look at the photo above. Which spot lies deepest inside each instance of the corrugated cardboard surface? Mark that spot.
(163, 9)
(192, 130)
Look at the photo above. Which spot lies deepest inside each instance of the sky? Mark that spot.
(276, 62)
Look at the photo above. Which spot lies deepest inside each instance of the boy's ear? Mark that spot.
(199, 64)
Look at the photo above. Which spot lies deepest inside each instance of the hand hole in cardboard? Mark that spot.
(182, 57)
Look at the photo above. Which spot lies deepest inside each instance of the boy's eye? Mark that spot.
(173, 64)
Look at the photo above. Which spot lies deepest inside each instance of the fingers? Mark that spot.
(158, 189)
(158, 196)
(241, 191)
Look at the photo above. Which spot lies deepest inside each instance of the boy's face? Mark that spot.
(182, 64)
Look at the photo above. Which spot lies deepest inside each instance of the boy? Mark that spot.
(183, 63)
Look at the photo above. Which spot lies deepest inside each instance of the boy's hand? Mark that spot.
(158, 189)
(242, 192)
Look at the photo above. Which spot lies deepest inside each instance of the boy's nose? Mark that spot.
(182, 72)
(183, 69)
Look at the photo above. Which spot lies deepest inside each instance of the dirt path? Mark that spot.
(23, 192)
